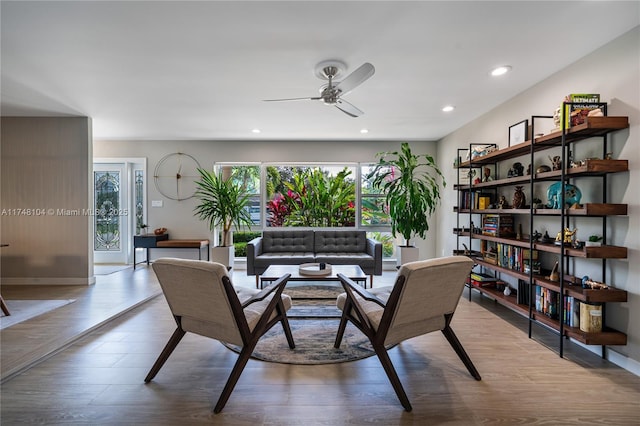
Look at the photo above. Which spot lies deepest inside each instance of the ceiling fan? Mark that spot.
(332, 92)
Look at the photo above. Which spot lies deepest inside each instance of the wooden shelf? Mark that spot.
(573, 290)
(602, 252)
(593, 126)
(570, 286)
(593, 167)
(606, 337)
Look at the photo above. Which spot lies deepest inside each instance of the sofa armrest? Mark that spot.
(374, 249)
(254, 248)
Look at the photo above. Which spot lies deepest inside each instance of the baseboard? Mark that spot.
(48, 281)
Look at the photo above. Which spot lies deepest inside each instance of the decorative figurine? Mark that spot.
(535, 237)
(546, 238)
(528, 169)
(507, 290)
(543, 168)
(516, 170)
(502, 203)
(589, 283)
(554, 276)
(519, 199)
(556, 162)
(487, 175)
(572, 195)
(567, 240)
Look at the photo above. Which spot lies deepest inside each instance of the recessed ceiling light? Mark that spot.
(256, 131)
(363, 131)
(501, 70)
(448, 108)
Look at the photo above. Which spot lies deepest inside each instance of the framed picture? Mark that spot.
(467, 175)
(518, 132)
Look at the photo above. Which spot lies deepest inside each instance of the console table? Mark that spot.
(149, 241)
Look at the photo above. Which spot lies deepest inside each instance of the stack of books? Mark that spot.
(498, 225)
(482, 280)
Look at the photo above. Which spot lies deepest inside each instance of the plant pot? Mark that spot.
(406, 254)
(593, 243)
(223, 255)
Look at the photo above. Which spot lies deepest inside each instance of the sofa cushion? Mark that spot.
(283, 258)
(287, 241)
(340, 241)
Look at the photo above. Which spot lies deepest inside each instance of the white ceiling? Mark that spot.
(199, 70)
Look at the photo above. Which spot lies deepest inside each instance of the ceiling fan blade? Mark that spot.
(355, 79)
(348, 108)
(293, 99)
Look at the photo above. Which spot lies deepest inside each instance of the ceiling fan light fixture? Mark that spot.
(501, 70)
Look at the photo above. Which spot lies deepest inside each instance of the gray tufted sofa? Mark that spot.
(293, 247)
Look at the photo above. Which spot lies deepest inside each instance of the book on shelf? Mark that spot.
(584, 104)
(498, 225)
(547, 302)
(482, 277)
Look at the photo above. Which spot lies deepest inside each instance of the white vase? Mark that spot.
(224, 255)
(406, 254)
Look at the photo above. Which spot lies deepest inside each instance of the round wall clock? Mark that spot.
(175, 176)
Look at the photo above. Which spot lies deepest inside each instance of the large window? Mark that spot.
(373, 208)
(310, 196)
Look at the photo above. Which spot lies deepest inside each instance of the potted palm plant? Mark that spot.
(411, 184)
(223, 205)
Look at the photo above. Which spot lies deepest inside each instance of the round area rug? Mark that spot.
(314, 340)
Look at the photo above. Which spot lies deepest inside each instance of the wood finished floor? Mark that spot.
(98, 379)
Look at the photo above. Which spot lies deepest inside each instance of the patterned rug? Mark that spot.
(314, 344)
(314, 321)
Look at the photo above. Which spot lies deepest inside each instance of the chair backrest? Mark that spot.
(432, 289)
(195, 292)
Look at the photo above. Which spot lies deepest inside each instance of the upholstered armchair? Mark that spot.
(423, 299)
(203, 301)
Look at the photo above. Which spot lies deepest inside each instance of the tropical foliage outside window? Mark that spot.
(373, 205)
(310, 196)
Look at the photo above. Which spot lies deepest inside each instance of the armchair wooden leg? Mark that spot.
(245, 354)
(285, 325)
(457, 346)
(383, 356)
(343, 324)
(166, 352)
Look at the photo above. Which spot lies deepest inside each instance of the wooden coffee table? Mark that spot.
(274, 272)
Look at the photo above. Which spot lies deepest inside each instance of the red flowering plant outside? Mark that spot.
(277, 210)
(313, 198)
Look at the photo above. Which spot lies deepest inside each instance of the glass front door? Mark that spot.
(118, 210)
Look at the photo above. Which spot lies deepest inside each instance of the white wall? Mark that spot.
(177, 216)
(613, 71)
(46, 171)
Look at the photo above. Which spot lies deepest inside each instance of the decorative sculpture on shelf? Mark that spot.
(589, 283)
(519, 199)
(535, 237)
(516, 170)
(556, 162)
(546, 238)
(567, 240)
(554, 276)
(487, 175)
(572, 195)
(502, 202)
